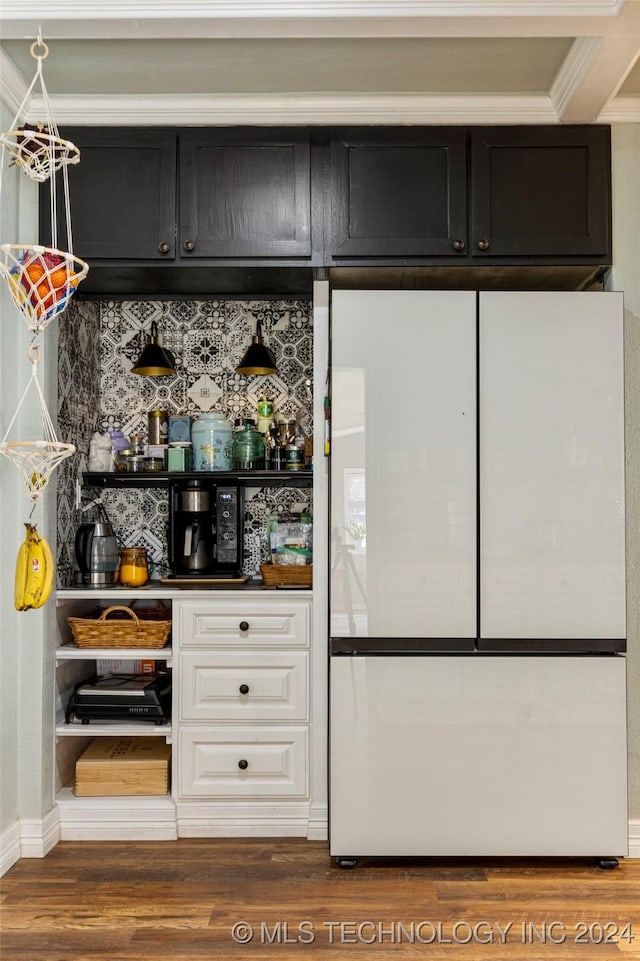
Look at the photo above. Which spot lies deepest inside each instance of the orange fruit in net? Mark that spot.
(58, 278)
(34, 271)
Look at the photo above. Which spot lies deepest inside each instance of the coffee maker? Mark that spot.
(205, 529)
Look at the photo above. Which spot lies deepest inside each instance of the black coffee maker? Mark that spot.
(205, 529)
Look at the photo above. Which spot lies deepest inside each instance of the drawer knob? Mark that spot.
(164, 247)
(483, 244)
(243, 765)
(244, 625)
(244, 688)
(459, 245)
(189, 245)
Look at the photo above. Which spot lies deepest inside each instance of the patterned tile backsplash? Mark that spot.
(97, 346)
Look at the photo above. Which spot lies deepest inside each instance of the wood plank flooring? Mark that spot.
(204, 899)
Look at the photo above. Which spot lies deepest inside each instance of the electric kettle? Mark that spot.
(97, 554)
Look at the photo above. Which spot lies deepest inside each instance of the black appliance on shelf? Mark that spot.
(122, 697)
(206, 527)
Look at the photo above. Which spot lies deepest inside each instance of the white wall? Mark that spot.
(626, 277)
(26, 711)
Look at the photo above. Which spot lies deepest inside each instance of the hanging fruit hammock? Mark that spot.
(41, 279)
(36, 459)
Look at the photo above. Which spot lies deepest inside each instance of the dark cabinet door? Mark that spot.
(122, 195)
(398, 193)
(541, 192)
(245, 193)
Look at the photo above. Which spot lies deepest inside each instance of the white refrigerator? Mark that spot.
(477, 588)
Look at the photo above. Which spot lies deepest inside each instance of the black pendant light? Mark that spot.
(258, 359)
(154, 361)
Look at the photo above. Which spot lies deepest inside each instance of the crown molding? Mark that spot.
(299, 109)
(14, 86)
(161, 9)
(573, 72)
(621, 110)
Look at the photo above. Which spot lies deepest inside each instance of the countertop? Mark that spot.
(154, 589)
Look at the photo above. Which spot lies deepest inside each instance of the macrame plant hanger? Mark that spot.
(36, 459)
(41, 279)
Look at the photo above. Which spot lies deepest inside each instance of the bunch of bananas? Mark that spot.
(35, 568)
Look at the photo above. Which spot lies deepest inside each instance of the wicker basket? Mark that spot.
(121, 631)
(283, 575)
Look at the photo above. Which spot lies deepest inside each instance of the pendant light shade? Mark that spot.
(154, 361)
(258, 359)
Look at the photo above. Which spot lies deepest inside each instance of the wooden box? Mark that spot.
(123, 766)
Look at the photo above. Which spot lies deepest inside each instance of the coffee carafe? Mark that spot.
(97, 554)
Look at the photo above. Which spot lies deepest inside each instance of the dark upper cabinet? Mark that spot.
(397, 193)
(245, 193)
(122, 195)
(498, 195)
(540, 192)
(228, 194)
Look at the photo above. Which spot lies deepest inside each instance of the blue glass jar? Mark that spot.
(212, 439)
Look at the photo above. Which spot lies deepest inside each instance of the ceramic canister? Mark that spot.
(212, 437)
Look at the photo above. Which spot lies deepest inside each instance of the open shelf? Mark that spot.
(254, 478)
(69, 652)
(113, 729)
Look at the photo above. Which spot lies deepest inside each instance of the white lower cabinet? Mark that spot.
(242, 729)
(242, 753)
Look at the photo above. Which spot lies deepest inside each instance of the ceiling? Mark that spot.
(311, 62)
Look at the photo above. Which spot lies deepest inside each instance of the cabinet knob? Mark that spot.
(483, 244)
(164, 247)
(244, 625)
(189, 245)
(459, 245)
(243, 765)
(244, 688)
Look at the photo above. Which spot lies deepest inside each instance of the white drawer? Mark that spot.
(264, 761)
(243, 686)
(249, 621)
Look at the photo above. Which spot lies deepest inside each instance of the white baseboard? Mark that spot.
(634, 838)
(29, 838)
(9, 847)
(38, 837)
(146, 818)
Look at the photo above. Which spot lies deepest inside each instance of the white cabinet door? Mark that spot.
(478, 755)
(403, 468)
(552, 552)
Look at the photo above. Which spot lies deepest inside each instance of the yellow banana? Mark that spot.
(22, 563)
(35, 569)
(49, 571)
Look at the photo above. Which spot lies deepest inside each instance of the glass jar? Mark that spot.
(248, 448)
(134, 567)
(212, 438)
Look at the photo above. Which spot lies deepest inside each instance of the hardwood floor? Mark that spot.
(197, 899)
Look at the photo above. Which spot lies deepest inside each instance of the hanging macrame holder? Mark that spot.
(36, 459)
(41, 280)
(38, 149)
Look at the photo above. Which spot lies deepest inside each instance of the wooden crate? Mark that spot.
(123, 766)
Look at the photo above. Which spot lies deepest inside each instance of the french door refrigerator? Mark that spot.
(477, 584)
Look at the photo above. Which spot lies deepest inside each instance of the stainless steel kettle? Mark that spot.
(97, 554)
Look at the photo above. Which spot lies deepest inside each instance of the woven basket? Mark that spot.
(121, 631)
(275, 575)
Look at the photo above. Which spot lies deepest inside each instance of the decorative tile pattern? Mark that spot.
(98, 345)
